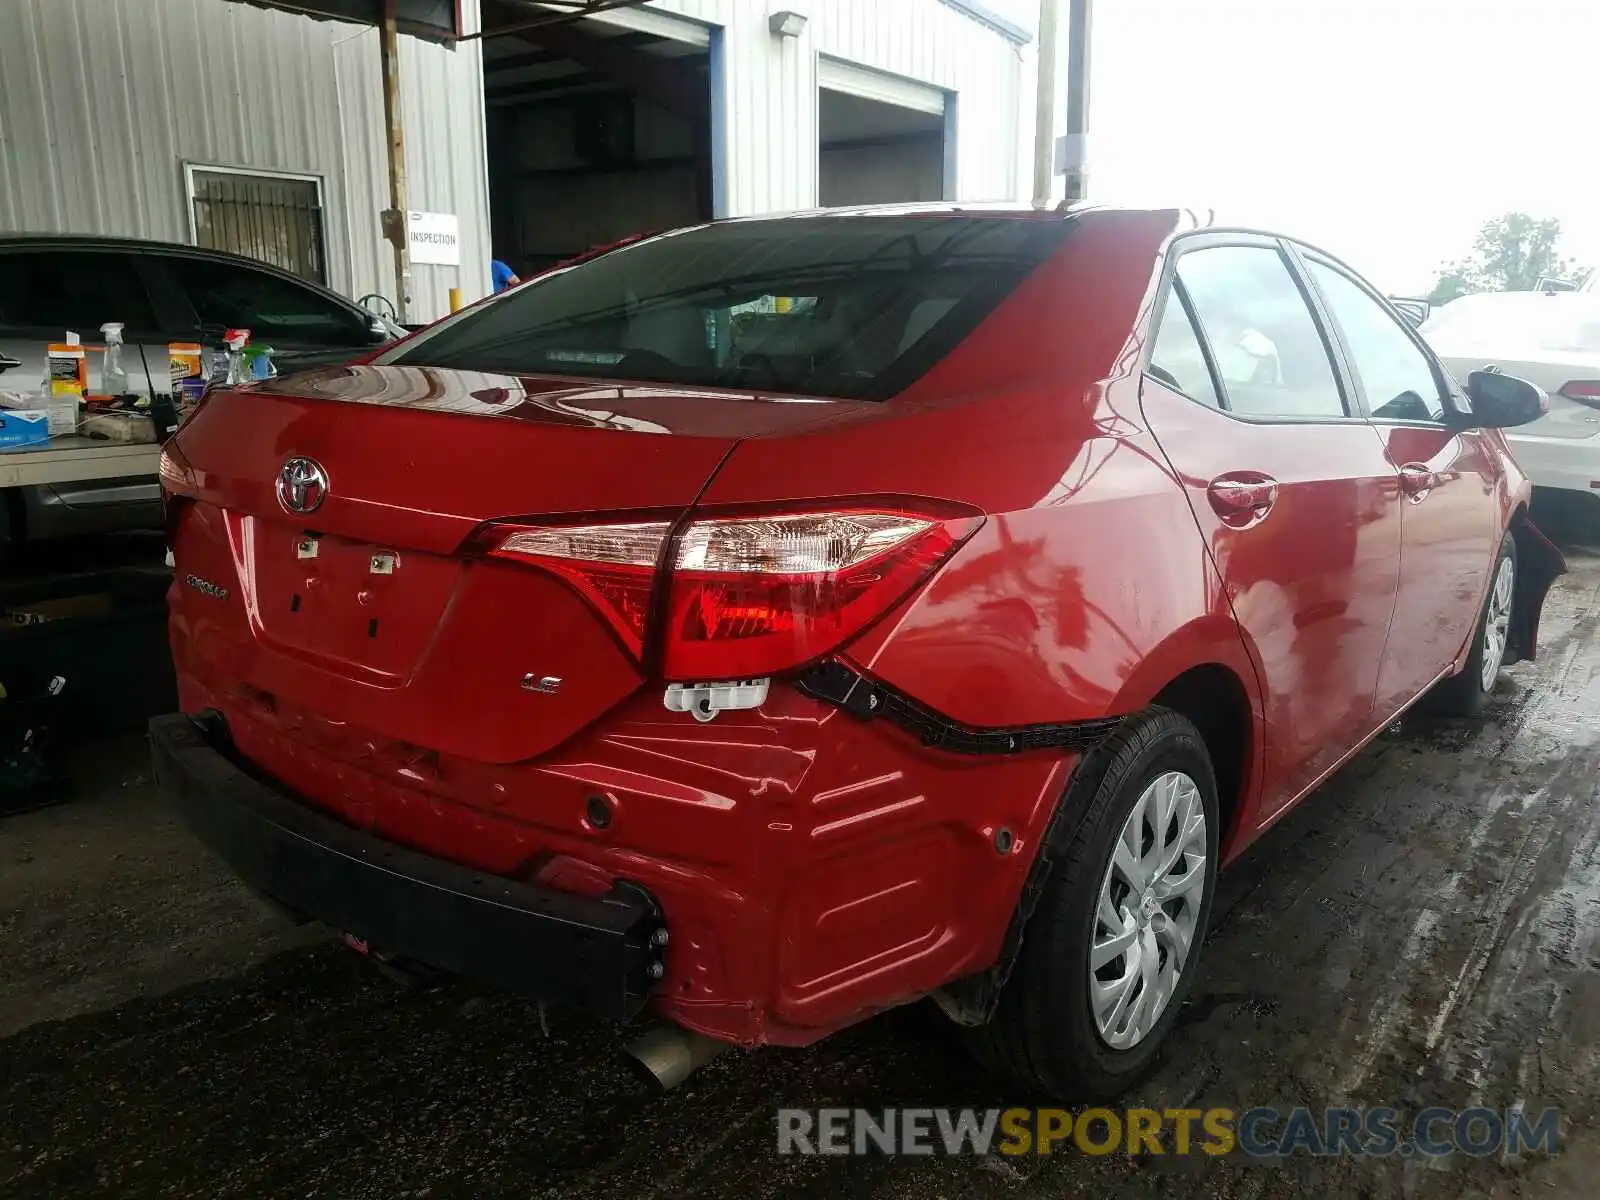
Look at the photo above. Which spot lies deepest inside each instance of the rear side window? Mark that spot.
(77, 290)
(272, 308)
(1264, 340)
(1396, 376)
(1177, 359)
(856, 307)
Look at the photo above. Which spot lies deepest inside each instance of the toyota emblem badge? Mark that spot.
(302, 485)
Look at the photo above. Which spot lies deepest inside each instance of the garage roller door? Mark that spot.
(852, 79)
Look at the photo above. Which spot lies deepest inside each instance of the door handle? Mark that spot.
(7, 362)
(1242, 497)
(1416, 481)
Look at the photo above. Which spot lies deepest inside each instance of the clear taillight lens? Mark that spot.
(753, 596)
(611, 566)
(747, 596)
(1584, 391)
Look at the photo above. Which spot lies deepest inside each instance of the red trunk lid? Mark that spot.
(364, 610)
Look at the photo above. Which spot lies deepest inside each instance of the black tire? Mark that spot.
(1043, 1033)
(1463, 694)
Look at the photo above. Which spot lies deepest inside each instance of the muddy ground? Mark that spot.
(1424, 930)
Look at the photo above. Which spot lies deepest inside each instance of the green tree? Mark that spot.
(1512, 253)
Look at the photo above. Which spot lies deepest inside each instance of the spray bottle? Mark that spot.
(238, 370)
(259, 362)
(113, 378)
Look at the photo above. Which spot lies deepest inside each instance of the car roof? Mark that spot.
(95, 241)
(978, 208)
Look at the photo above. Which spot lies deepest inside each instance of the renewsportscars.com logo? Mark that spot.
(1256, 1132)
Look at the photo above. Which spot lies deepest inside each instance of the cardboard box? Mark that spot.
(24, 428)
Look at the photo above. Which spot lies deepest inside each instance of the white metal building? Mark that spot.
(170, 119)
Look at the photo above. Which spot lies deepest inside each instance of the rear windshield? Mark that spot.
(855, 307)
(1498, 323)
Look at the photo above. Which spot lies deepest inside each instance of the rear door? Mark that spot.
(1450, 520)
(46, 292)
(1290, 487)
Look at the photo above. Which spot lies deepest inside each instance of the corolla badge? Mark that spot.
(206, 588)
(302, 485)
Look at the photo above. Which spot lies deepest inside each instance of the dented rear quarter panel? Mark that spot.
(1089, 587)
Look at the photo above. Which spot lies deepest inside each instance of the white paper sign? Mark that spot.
(434, 238)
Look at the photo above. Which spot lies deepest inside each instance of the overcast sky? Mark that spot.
(1385, 131)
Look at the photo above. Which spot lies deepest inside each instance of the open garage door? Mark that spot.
(597, 129)
(881, 139)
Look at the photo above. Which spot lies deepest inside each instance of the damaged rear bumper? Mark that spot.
(600, 953)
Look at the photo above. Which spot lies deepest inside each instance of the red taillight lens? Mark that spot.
(1584, 391)
(748, 596)
(752, 596)
(611, 566)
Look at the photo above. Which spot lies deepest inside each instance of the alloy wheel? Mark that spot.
(1148, 912)
(1497, 622)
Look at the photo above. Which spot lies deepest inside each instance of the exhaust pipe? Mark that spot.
(666, 1056)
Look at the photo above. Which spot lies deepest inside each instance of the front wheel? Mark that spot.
(1110, 951)
(1467, 693)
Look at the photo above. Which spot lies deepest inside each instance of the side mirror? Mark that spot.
(1501, 401)
(378, 331)
(1415, 312)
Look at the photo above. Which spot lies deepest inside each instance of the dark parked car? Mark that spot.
(161, 293)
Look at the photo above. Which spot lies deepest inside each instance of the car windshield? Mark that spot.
(849, 306)
(1564, 323)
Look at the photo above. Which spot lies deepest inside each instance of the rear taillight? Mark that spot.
(178, 487)
(753, 596)
(747, 596)
(1584, 391)
(177, 476)
(611, 566)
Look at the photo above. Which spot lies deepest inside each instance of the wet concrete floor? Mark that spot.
(1423, 930)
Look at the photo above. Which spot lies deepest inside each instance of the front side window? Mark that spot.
(855, 307)
(1269, 352)
(1395, 374)
(273, 309)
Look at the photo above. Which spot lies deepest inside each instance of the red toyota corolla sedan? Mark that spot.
(775, 621)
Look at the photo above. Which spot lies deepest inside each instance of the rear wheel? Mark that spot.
(1466, 694)
(1110, 952)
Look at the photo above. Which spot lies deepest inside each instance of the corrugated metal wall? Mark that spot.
(103, 101)
(770, 103)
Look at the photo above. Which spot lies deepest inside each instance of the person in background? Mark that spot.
(502, 275)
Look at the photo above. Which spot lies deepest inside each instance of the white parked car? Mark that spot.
(1553, 340)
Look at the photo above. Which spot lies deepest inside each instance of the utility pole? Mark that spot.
(1044, 141)
(394, 218)
(1075, 159)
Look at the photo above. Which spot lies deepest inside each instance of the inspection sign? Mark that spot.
(435, 238)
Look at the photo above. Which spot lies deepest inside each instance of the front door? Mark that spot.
(203, 297)
(1450, 519)
(1291, 489)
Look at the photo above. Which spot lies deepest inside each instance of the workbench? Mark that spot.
(76, 459)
